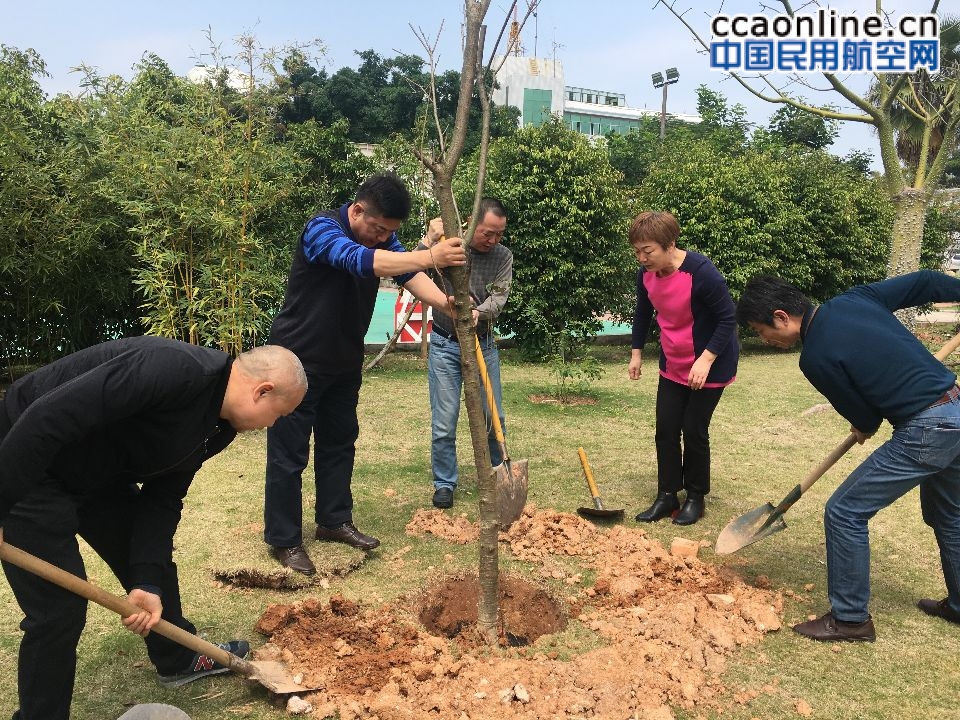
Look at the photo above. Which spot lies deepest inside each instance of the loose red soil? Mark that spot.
(655, 633)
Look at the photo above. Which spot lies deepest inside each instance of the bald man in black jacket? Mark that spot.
(104, 444)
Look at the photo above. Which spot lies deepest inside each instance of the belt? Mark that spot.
(949, 396)
(444, 334)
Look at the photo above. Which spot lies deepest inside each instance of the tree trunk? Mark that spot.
(910, 211)
(488, 606)
(443, 168)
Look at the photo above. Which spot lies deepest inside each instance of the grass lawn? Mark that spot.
(763, 444)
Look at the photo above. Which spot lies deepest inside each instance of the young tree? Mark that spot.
(441, 158)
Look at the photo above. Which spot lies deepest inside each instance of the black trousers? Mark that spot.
(46, 524)
(684, 413)
(328, 413)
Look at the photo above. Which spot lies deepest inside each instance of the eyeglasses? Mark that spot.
(371, 221)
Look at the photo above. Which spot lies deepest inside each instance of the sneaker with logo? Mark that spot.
(203, 665)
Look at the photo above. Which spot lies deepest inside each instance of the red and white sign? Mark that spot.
(413, 330)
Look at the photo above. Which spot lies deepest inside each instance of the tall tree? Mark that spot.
(920, 128)
(937, 116)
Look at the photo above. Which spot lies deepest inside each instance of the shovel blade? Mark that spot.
(511, 491)
(276, 678)
(749, 528)
(603, 514)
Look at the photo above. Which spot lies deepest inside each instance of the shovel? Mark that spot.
(274, 676)
(511, 476)
(766, 520)
(598, 510)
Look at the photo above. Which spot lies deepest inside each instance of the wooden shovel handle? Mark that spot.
(951, 345)
(591, 483)
(491, 400)
(86, 589)
(828, 462)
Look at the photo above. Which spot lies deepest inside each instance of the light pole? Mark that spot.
(659, 81)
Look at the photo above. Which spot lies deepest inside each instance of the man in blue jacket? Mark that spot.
(331, 292)
(871, 369)
(104, 444)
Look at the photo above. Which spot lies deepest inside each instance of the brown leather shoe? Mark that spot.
(829, 629)
(348, 534)
(940, 609)
(295, 558)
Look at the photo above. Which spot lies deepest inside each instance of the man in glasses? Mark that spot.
(491, 271)
(331, 291)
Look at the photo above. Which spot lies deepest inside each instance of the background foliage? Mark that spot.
(567, 231)
(163, 206)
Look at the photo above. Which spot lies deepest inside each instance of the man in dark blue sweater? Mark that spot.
(871, 368)
(331, 292)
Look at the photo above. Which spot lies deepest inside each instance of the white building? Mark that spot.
(535, 86)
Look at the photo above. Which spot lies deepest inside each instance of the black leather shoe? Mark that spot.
(691, 511)
(348, 534)
(665, 504)
(295, 558)
(829, 629)
(443, 498)
(940, 609)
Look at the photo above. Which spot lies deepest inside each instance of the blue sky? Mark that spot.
(613, 45)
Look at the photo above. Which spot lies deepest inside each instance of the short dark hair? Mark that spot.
(766, 293)
(661, 228)
(385, 194)
(492, 205)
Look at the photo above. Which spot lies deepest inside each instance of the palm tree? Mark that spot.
(924, 108)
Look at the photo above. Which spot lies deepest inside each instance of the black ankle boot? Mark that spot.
(665, 504)
(691, 511)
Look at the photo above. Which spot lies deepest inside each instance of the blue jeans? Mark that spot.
(924, 451)
(446, 380)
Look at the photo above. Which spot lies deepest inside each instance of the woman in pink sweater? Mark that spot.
(698, 359)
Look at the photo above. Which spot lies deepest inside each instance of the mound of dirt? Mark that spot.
(663, 627)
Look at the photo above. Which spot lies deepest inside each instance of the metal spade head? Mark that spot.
(750, 527)
(154, 711)
(512, 481)
(600, 513)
